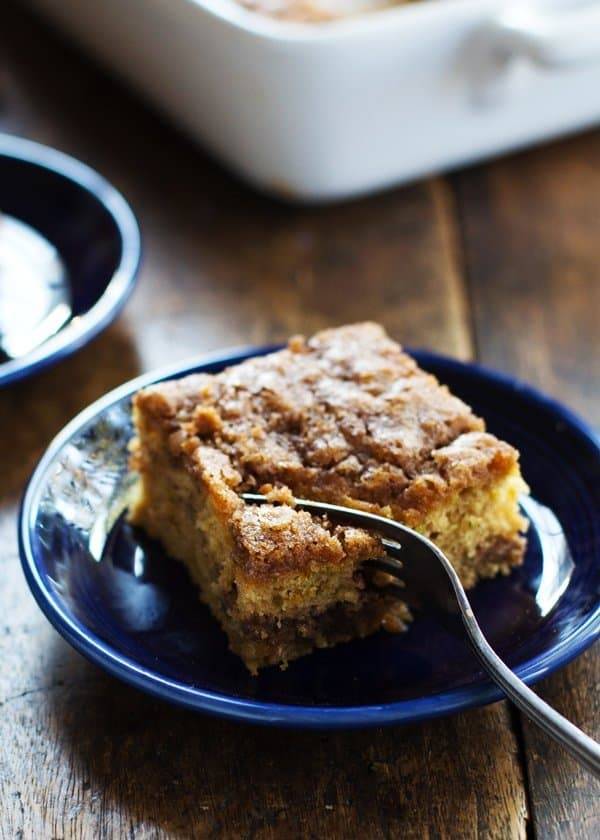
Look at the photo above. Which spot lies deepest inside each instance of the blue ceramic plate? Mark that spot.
(72, 245)
(121, 602)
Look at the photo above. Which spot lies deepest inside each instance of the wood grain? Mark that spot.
(530, 226)
(86, 757)
(83, 756)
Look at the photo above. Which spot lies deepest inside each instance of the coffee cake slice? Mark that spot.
(344, 417)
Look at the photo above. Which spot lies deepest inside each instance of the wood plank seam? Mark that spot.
(461, 246)
(451, 233)
(517, 726)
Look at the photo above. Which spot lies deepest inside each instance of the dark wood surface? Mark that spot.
(500, 262)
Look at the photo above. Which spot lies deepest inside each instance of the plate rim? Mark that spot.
(78, 332)
(259, 711)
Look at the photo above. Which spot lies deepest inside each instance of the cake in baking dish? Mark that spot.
(317, 11)
(345, 417)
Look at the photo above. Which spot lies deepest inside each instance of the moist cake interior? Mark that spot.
(345, 417)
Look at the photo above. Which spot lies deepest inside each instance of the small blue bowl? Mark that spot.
(92, 228)
(121, 602)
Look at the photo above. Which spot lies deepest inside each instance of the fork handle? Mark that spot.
(583, 748)
(580, 745)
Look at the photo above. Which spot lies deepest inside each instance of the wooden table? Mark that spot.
(499, 263)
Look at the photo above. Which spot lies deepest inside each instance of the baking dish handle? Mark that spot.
(550, 35)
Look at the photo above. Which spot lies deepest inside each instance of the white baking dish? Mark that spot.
(323, 111)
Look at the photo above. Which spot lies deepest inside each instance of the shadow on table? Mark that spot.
(154, 766)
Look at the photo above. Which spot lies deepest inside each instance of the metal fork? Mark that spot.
(424, 569)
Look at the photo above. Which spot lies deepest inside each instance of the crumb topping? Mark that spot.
(345, 416)
(279, 538)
